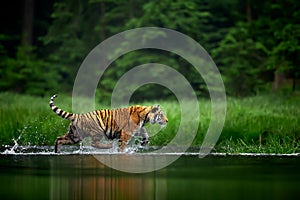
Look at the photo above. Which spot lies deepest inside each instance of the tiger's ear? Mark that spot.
(155, 108)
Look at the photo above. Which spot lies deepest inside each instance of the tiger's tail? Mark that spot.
(60, 112)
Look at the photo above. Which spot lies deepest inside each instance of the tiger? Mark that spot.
(120, 124)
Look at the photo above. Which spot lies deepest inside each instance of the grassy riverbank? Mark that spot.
(261, 124)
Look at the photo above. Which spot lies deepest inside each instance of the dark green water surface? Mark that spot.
(213, 177)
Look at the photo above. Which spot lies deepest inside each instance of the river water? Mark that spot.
(75, 176)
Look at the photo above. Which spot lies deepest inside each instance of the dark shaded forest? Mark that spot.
(254, 43)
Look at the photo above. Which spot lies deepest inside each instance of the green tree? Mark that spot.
(25, 73)
(188, 17)
(67, 38)
(21, 69)
(284, 57)
(241, 61)
(263, 41)
(77, 27)
(249, 40)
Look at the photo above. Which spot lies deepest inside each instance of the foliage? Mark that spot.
(259, 45)
(286, 54)
(249, 40)
(242, 60)
(26, 73)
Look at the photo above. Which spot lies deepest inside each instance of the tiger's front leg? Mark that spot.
(145, 138)
(141, 132)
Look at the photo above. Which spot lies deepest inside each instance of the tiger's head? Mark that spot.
(156, 115)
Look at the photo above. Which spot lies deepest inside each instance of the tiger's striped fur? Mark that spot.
(119, 123)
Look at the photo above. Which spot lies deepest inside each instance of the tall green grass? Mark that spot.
(30, 119)
(261, 124)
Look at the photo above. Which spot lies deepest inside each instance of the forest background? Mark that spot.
(255, 44)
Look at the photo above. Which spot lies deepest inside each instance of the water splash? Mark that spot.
(17, 149)
(14, 147)
(83, 148)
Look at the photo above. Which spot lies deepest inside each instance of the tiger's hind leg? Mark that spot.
(69, 138)
(97, 144)
(124, 138)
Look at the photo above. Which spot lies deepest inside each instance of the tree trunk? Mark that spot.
(131, 9)
(249, 12)
(103, 23)
(27, 26)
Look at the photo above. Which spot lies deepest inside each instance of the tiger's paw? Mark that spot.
(144, 142)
